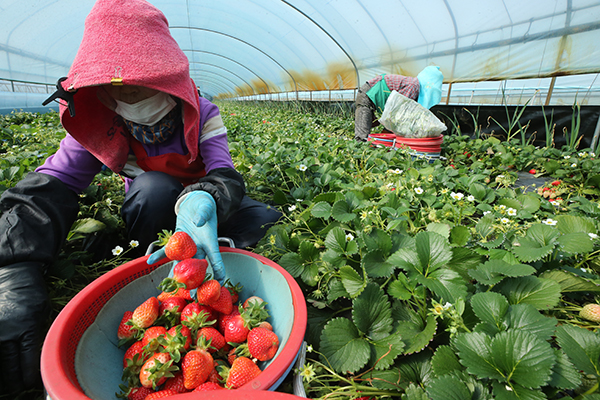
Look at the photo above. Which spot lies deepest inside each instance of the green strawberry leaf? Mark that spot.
(445, 361)
(569, 282)
(321, 210)
(376, 265)
(529, 250)
(336, 290)
(527, 318)
(460, 235)
(530, 202)
(564, 375)
(342, 212)
(385, 350)
(292, 263)
(416, 368)
(491, 308)
(446, 284)
(574, 224)
(417, 335)
(493, 271)
(448, 387)
(511, 356)
(516, 392)
(581, 346)
(377, 239)
(413, 392)
(576, 243)
(384, 379)
(336, 240)
(401, 288)
(343, 347)
(540, 293)
(431, 252)
(371, 312)
(439, 228)
(353, 283)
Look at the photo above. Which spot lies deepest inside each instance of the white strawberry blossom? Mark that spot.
(592, 236)
(550, 222)
(471, 198)
(302, 167)
(457, 196)
(573, 165)
(505, 220)
(117, 251)
(349, 237)
(134, 243)
(486, 212)
(512, 212)
(418, 190)
(292, 208)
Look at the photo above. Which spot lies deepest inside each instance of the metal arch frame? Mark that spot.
(230, 59)
(234, 85)
(212, 84)
(244, 42)
(330, 37)
(224, 69)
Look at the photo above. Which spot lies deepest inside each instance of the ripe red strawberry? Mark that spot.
(173, 305)
(124, 331)
(195, 316)
(555, 183)
(170, 311)
(139, 393)
(177, 341)
(223, 318)
(591, 312)
(224, 303)
(208, 292)
(236, 330)
(206, 386)
(532, 171)
(242, 371)
(237, 327)
(175, 383)
(189, 274)
(234, 289)
(161, 394)
(217, 340)
(196, 366)
(132, 351)
(181, 292)
(151, 336)
(180, 246)
(156, 370)
(262, 344)
(145, 314)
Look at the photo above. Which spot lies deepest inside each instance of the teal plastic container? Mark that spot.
(80, 356)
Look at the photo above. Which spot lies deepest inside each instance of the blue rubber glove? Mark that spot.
(197, 216)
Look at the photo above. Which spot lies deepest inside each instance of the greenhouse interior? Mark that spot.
(450, 252)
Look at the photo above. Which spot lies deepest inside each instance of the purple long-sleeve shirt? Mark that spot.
(77, 167)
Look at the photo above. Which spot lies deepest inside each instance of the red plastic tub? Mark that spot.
(81, 359)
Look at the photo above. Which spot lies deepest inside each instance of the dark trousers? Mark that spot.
(364, 115)
(150, 203)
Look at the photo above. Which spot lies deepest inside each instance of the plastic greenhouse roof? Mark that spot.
(258, 47)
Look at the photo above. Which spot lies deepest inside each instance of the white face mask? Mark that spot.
(148, 111)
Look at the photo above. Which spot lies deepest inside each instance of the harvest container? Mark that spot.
(80, 356)
(427, 147)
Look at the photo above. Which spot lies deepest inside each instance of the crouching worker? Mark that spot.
(128, 103)
(426, 88)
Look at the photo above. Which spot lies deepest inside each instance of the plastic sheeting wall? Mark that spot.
(251, 47)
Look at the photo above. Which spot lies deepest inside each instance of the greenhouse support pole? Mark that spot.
(550, 90)
(596, 134)
(448, 95)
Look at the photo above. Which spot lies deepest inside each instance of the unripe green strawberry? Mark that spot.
(591, 312)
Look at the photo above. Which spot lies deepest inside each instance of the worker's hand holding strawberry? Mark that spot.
(197, 216)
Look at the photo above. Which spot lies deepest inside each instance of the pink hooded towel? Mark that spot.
(125, 42)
